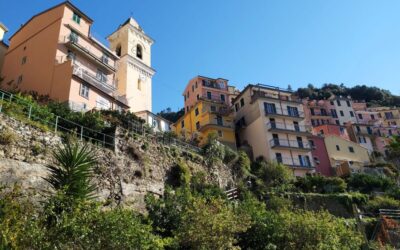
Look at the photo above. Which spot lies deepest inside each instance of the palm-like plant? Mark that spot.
(73, 170)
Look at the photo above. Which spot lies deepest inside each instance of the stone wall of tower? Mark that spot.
(134, 74)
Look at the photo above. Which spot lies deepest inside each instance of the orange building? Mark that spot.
(54, 54)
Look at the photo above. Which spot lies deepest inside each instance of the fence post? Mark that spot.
(11, 96)
(30, 112)
(2, 98)
(55, 126)
(104, 140)
(81, 133)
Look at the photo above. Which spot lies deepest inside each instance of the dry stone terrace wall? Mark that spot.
(123, 176)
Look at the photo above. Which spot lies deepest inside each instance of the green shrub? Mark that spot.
(7, 136)
(382, 202)
(366, 183)
(179, 175)
(277, 203)
(230, 155)
(321, 184)
(37, 149)
(213, 150)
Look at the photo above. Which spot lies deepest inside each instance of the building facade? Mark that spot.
(157, 123)
(55, 54)
(3, 45)
(133, 46)
(271, 122)
(342, 110)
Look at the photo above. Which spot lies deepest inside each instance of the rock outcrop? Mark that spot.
(135, 167)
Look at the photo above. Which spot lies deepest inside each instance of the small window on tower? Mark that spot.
(118, 50)
(139, 51)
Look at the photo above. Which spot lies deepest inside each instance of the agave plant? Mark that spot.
(73, 170)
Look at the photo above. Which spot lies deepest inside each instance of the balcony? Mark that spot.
(214, 98)
(296, 163)
(261, 94)
(222, 111)
(215, 124)
(289, 144)
(295, 115)
(214, 84)
(319, 113)
(90, 52)
(288, 128)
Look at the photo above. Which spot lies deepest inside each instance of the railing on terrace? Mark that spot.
(89, 48)
(214, 97)
(214, 84)
(289, 143)
(217, 123)
(321, 113)
(104, 84)
(262, 94)
(293, 162)
(290, 127)
(23, 109)
(285, 112)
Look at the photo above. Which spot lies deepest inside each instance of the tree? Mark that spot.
(73, 170)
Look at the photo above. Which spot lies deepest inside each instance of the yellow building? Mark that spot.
(204, 117)
(347, 154)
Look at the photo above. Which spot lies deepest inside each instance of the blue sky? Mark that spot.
(278, 42)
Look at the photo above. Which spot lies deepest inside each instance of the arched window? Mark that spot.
(139, 51)
(118, 50)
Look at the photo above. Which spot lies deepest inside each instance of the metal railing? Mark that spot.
(293, 162)
(285, 112)
(277, 96)
(214, 97)
(89, 48)
(103, 84)
(320, 113)
(289, 127)
(289, 143)
(11, 103)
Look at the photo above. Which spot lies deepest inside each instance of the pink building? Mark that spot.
(330, 129)
(318, 112)
(54, 54)
(320, 156)
(206, 88)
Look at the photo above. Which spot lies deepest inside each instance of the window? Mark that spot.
(312, 111)
(312, 144)
(71, 55)
(293, 111)
(348, 104)
(197, 125)
(351, 114)
(192, 88)
(341, 130)
(321, 132)
(351, 149)
(372, 117)
(334, 113)
(118, 50)
(187, 94)
(198, 96)
(296, 126)
(223, 98)
(237, 107)
(182, 123)
(337, 122)
(300, 142)
(196, 111)
(139, 84)
(389, 115)
(187, 109)
(316, 160)
(312, 122)
(104, 59)
(219, 133)
(332, 103)
(275, 139)
(337, 148)
(84, 91)
(269, 108)
(219, 120)
(338, 103)
(341, 113)
(196, 85)
(19, 79)
(279, 158)
(139, 51)
(73, 37)
(209, 95)
(358, 128)
(23, 60)
(241, 102)
(360, 116)
(213, 108)
(101, 76)
(76, 18)
(390, 132)
(184, 98)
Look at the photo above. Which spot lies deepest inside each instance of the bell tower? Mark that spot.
(134, 72)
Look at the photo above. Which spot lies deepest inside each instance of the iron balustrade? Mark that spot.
(285, 112)
(289, 127)
(304, 162)
(289, 143)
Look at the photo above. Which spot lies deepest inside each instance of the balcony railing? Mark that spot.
(90, 50)
(216, 123)
(262, 94)
(104, 85)
(285, 112)
(214, 84)
(288, 127)
(214, 97)
(304, 163)
(319, 113)
(221, 111)
(289, 144)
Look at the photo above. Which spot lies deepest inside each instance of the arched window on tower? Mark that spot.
(118, 50)
(139, 51)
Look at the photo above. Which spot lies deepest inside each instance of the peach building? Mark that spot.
(331, 129)
(205, 88)
(270, 122)
(3, 45)
(54, 54)
(318, 112)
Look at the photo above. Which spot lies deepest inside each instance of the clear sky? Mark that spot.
(278, 42)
